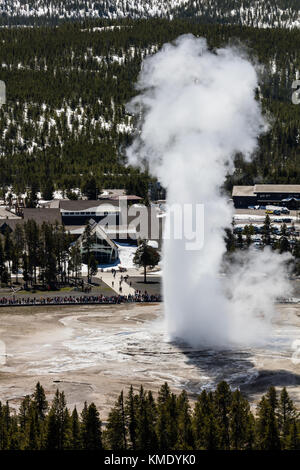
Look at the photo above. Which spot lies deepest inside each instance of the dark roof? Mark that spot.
(10, 223)
(129, 197)
(42, 215)
(82, 204)
(238, 191)
(265, 188)
(277, 188)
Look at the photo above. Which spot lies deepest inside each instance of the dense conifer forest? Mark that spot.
(67, 88)
(217, 420)
(267, 13)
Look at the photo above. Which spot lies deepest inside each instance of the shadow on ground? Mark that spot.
(235, 367)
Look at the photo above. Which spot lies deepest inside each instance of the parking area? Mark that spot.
(256, 219)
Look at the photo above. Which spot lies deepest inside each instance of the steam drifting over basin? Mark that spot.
(198, 109)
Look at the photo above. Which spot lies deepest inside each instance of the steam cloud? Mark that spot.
(198, 109)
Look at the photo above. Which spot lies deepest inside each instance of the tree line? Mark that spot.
(218, 420)
(46, 254)
(282, 239)
(270, 13)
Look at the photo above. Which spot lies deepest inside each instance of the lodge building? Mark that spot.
(287, 195)
(110, 218)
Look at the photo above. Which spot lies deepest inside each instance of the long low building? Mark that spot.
(287, 195)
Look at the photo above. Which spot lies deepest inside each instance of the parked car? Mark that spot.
(257, 244)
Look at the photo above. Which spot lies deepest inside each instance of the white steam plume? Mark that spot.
(197, 110)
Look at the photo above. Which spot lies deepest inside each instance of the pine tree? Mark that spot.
(286, 415)
(39, 399)
(75, 260)
(58, 424)
(152, 421)
(292, 440)
(240, 422)
(90, 188)
(32, 198)
(185, 439)
(26, 276)
(24, 411)
(33, 431)
(267, 231)
(32, 240)
(146, 256)
(5, 426)
(116, 426)
(8, 246)
(87, 248)
(3, 270)
(223, 399)
(2, 261)
(76, 443)
(205, 423)
(229, 240)
(145, 422)
(164, 395)
(14, 441)
(47, 189)
(131, 417)
(93, 265)
(271, 397)
(267, 428)
(91, 428)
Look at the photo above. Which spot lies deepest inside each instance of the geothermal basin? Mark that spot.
(93, 352)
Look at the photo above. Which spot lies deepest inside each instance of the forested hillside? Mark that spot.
(257, 13)
(67, 86)
(267, 13)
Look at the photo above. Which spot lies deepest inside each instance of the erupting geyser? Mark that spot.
(197, 110)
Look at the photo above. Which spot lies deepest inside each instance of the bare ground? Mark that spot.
(93, 352)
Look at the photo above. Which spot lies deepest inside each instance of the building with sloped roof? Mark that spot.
(41, 215)
(79, 212)
(103, 248)
(243, 196)
(287, 195)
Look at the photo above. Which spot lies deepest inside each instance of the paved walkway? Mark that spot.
(114, 282)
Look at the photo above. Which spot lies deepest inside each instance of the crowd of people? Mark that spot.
(79, 299)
